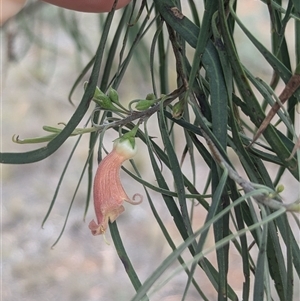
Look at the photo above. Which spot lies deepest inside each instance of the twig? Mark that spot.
(143, 114)
(290, 88)
(265, 199)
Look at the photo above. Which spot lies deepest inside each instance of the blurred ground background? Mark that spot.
(36, 80)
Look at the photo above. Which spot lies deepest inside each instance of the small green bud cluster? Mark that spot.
(109, 101)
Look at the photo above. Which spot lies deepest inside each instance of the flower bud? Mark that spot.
(150, 96)
(100, 96)
(178, 109)
(279, 188)
(113, 95)
(144, 104)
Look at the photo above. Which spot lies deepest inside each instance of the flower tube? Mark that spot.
(109, 193)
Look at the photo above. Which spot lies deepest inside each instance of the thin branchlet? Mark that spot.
(266, 199)
(143, 114)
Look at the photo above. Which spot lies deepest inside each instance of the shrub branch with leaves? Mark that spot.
(214, 108)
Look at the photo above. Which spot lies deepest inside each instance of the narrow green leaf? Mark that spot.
(218, 93)
(110, 60)
(202, 38)
(260, 272)
(60, 181)
(243, 239)
(290, 239)
(124, 257)
(199, 247)
(169, 238)
(80, 77)
(71, 205)
(276, 261)
(174, 255)
(255, 111)
(170, 202)
(176, 171)
(124, 64)
(289, 259)
(297, 6)
(53, 145)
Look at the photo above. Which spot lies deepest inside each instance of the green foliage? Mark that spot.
(206, 99)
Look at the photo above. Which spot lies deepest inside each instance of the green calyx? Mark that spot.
(144, 104)
(130, 136)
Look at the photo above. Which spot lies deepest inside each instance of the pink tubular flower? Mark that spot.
(108, 190)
